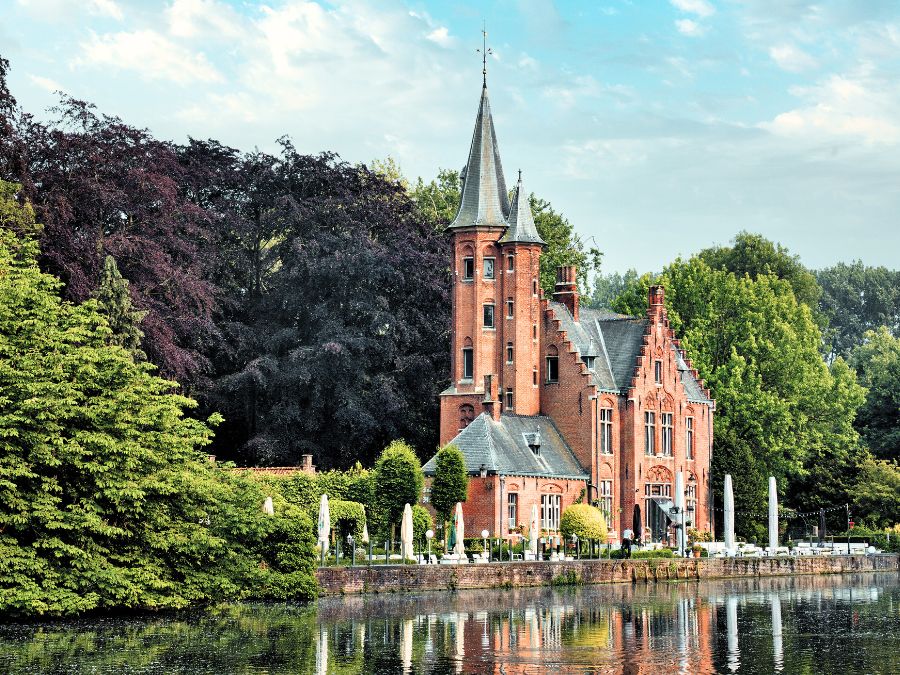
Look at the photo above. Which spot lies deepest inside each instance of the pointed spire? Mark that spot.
(521, 221)
(484, 199)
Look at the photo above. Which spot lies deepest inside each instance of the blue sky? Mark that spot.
(657, 127)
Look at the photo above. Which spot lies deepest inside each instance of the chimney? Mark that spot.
(656, 303)
(491, 403)
(566, 290)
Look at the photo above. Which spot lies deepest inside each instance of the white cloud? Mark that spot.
(855, 106)
(105, 8)
(45, 83)
(690, 28)
(792, 59)
(441, 36)
(701, 8)
(204, 18)
(149, 54)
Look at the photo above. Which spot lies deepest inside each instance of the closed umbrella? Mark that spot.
(268, 507)
(406, 534)
(679, 504)
(534, 530)
(365, 533)
(636, 524)
(773, 515)
(460, 548)
(324, 525)
(729, 516)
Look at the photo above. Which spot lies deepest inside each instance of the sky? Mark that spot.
(657, 127)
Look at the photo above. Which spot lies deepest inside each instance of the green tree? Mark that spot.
(877, 494)
(398, 481)
(855, 299)
(114, 302)
(877, 364)
(564, 246)
(451, 482)
(106, 500)
(438, 200)
(608, 287)
(584, 521)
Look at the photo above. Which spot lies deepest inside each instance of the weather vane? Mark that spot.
(484, 51)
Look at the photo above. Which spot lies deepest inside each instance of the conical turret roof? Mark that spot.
(484, 199)
(521, 221)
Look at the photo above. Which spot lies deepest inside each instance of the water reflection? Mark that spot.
(799, 624)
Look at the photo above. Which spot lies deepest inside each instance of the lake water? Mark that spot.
(824, 624)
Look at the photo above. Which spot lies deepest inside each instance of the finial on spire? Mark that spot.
(484, 51)
(520, 175)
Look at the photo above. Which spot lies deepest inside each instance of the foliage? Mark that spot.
(422, 522)
(877, 364)
(398, 481)
(877, 493)
(608, 287)
(346, 518)
(780, 410)
(438, 200)
(114, 302)
(564, 246)
(451, 482)
(855, 299)
(106, 499)
(584, 521)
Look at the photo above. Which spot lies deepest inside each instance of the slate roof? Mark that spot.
(614, 340)
(521, 221)
(503, 448)
(484, 197)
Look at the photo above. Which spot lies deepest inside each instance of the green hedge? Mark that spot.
(584, 521)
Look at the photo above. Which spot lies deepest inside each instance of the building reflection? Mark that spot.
(679, 628)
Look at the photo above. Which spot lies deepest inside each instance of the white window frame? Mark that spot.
(689, 438)
(471, 261)
(509, 400)
(484, 315)
(649, 433)
(550, 511)
(471, 373)
(606, 431)
(606, 500)
(510, 305)
(510, 352)
(657, 371)
(512, 510)
(493, 266)
(668, 433)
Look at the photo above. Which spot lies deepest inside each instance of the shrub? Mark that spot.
(346, 518)
(584, 521)
(451, 482)
(422, 522)
(398, 481)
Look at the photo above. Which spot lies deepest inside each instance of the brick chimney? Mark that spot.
(491, 402)
(566, 290)
(656, 303)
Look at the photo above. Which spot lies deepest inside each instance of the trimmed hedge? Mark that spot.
(584, 521)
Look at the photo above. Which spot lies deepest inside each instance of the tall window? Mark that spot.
(534, 286)
(510, 265)
(512, 510)
(534, 332)
(550, 512)
(488, 268)
(689, 438)
(657, 368)
(650, 433)
(534, 382)
(667, 434)
(468, 269)
(509, 352)
(509, 399)
(509, 308)
(552, 365)
(606, 500)
(468, 363)
(489, 316)
(606, 431)
(690, 501)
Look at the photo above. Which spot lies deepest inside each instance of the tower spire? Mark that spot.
(484, 51)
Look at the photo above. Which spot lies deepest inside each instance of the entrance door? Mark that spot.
(657, 520)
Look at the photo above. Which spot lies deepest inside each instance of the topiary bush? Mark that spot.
(584, 521)
(422, 522)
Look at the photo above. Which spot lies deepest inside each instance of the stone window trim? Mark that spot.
(490, 269)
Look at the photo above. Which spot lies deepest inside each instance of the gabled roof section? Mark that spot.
(484, 200)
(521, 221)
(505, 448)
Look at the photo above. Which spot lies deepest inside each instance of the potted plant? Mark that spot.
(696, 548)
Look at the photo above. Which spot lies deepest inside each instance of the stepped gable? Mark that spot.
(505, 447)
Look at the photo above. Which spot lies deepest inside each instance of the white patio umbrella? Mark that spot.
(268, 507)
(406, 534)
(324, 525)
(460, 548)
(773, 515)
(365, 533)
(534, 530)
(679, 505)
(729, 516)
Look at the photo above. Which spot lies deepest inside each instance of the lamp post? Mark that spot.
(429, 534)
(351, 542)
(484, 536)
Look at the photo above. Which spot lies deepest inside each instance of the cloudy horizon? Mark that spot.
(657, 128)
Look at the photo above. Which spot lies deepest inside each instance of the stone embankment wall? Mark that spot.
(404, 578)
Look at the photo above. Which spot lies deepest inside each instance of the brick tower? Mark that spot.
(495, 340)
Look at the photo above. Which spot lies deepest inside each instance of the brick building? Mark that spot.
(550, 402)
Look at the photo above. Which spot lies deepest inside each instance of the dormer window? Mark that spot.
(488, 268)
(468, 269)
(589, 362)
